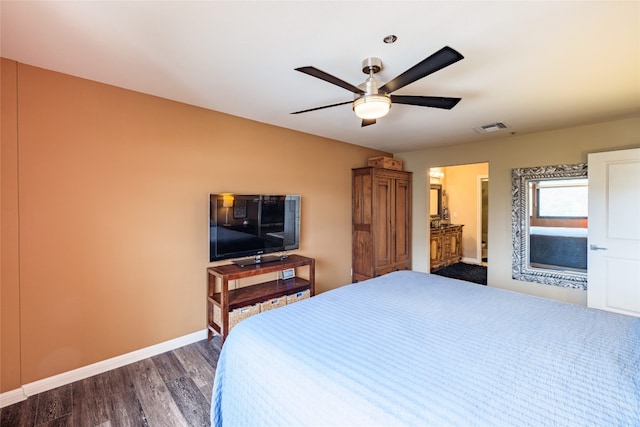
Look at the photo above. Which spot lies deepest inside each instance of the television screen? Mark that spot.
(252, 225)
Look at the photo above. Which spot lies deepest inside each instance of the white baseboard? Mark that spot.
(15, 396)
(470, 260)
(11, 397)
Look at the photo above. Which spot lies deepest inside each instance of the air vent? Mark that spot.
(491, 127)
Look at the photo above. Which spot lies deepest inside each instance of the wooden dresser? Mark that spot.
(446, 246)
(381, 226)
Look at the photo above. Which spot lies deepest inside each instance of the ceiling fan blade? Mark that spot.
(367, 122)
(320, 108)
(442, 58)
(312, 71)
(426, 101)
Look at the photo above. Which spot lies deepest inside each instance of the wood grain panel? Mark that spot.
(54, 404)
(19, 414)
(123, 405)
(89, 403)
(169, 367)
(155, 398)
(210, 350)
(171, 389)
(197, 367)
(192, 403)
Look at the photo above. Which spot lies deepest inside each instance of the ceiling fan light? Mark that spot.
(371, 106)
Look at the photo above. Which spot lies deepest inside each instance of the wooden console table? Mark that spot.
(221, 300)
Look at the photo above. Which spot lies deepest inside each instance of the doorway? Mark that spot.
(465, 195)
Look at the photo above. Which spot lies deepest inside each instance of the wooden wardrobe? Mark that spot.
(381, 228)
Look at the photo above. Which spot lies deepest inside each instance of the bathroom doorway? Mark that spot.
(465, 190)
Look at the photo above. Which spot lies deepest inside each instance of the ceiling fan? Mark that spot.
(372, 101)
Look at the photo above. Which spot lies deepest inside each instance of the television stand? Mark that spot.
(258, 259)
(226, 307)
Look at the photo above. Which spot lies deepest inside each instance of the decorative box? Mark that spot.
(385, 163)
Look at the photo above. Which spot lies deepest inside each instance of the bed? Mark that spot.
(414, 349)
(559, 246)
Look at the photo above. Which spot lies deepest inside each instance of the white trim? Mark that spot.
(470, 260)
(10, 397)
(68, 377)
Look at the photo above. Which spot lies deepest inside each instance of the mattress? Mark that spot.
(562, 247)
(411, 349)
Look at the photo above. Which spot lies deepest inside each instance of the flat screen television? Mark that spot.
(252, 226)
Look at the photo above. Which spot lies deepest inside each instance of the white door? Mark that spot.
(614, 231)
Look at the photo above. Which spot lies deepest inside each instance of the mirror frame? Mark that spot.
(438, 188)
(521, 268)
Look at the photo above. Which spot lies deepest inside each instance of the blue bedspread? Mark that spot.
(414, 349)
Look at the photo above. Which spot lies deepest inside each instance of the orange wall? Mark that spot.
(9, 275)
(113, 214)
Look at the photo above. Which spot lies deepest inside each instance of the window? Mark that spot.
(562, 199)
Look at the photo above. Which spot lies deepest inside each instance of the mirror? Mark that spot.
(549, 225)
(435, 201)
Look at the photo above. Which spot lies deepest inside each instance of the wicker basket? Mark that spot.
(217, 315)
(239, 314)
(273, 303)
(298, 296)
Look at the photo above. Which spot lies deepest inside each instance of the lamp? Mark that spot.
(436, 173)
(371, 106)
(227, 202)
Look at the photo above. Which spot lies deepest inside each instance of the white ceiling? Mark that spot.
(534, 65)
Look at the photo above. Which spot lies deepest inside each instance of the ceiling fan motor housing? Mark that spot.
(371, 65)
(370, 87)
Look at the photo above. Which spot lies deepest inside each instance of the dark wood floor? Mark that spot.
(171, 389)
